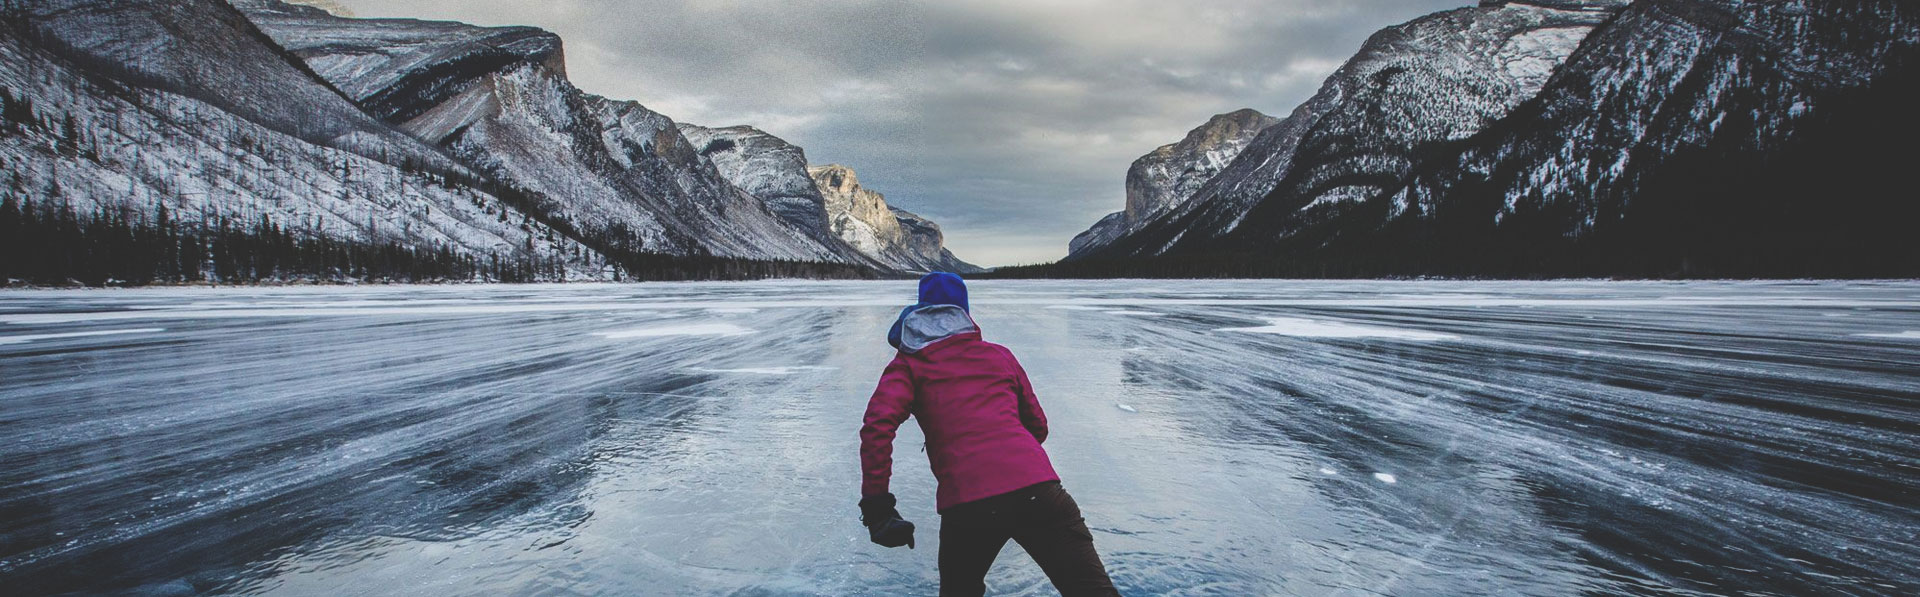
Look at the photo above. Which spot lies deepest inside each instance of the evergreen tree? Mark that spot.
(70, 135)
(11, 249)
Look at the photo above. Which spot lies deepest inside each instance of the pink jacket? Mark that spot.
(983, 423)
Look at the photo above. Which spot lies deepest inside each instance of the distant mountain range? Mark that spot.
(259, 140)
(1653, 138)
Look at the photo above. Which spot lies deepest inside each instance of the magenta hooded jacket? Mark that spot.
(982, 421)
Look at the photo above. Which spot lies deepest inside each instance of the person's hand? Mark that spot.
(885, 527)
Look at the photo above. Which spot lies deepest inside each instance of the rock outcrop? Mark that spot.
(862, 217)
(1167, 177)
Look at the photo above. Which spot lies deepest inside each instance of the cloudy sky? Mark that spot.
(1009, 122)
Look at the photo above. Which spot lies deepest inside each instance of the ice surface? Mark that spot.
(697, 329)
(762, 370)
(1307, 328)
(1907, 335)
(1573, 438)
(22, 339)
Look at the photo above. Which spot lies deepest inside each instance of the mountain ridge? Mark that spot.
(498, 99)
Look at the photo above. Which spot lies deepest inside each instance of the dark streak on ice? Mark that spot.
(1568, 438)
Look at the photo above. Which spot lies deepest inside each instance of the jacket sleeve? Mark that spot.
(1031, 416)
(890, 405)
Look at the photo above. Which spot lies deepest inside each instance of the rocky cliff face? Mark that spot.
(767, 167)
(499, 100)
(1436, 79)
(1171, 174)
(861, 217)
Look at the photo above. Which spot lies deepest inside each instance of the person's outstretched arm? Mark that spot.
(1031, 416)
(890, 405)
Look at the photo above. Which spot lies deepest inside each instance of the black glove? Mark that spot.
(884, 525)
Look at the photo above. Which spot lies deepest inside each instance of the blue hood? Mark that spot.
(937, 288)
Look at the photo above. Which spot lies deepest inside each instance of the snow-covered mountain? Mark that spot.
(776, 171)
(1171, 174)
(1667, 137)
(183, 106)
(1439, 78)
(499, 100)
(895, 236)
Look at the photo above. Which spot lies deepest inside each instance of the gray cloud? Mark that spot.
(1009, 122)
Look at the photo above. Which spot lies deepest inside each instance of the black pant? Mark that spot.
(1043, 519)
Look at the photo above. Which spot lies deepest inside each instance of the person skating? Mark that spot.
(984, 427)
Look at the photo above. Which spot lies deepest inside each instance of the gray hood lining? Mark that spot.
(933, 323)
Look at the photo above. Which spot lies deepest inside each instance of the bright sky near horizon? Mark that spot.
(1011, 123)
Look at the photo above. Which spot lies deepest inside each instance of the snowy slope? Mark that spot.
(1099, 235)
(1439, 78)
(1695, 131)
(297, 156)
(206, 50)
(400, 65)
(499, 99)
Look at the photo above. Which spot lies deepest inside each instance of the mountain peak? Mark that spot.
(1222, 129)
(835, 177)
(1171, 174)
(1560, 4)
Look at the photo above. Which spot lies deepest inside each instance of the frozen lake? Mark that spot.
(1223, 438)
